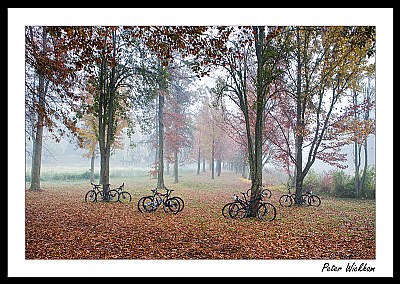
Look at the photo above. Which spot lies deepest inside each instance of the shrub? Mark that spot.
(311, 181)
(370, 183)
(344, 184)
(327, 183)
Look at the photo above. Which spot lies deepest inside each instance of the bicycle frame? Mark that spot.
(156, 199)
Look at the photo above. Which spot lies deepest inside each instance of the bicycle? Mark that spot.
(240, 208)
(147, 204)
(288, 199)
(312, 199)
(123, 195)
(90, 196)
(181, 202)
(112, 195)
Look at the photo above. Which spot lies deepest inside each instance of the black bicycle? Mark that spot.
(111, 195)
(180, 200)
(312, 199)
(90, 196)
(123, 195)
(240, 208)
(147, 204)
(305, 199)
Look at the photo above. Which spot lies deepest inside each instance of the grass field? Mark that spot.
(60, 225)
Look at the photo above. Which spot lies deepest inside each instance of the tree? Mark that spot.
(323, 60)
(259, 53)
(357, 124)
(178, 134)
(166, 43)
(51, 78)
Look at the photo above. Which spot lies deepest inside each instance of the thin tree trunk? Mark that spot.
(357, 151)
(38, 139)
(219, 167)
(92, 168)
(168, 165)
(212, 158)
(198, 162)
(176, 166)
(356, 170)
(160, 179)
(156, 142)
(364, 174)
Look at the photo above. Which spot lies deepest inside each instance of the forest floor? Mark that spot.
(60, 225)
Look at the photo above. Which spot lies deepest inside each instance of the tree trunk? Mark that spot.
(219, 166)
(299, 175)
(356, 169)
(155, 165)
(92, 168)
(38, 139)
(364, 174)
(198, 162)
(212, 158)
(256, 162)
(176, 166)
(106, 114)
(160, 179)
(168, 166)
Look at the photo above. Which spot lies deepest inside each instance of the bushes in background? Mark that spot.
(339, 184)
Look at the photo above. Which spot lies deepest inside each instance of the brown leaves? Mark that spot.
(60, 225)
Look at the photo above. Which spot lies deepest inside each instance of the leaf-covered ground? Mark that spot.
(60, 225)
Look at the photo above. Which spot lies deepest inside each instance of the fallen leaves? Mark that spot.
(59, 225)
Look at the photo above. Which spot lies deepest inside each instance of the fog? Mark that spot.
(142, 154)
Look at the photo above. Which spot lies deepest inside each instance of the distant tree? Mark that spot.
(357, 124)
(178, 122)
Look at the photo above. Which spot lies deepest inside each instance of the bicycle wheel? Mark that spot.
(304, 200)
(146, 204)
(285, 200)
(225, 210)
(99, 196)
(171, 205)
(124, 197)
(237, 210)
(90, 196)
(314, 200)
(181, 202)
(266, 211)
(266, 193)
(113, 195)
